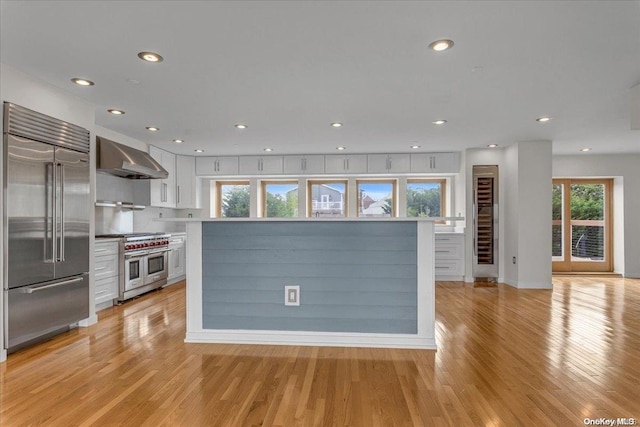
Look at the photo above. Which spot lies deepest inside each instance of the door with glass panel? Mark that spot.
(581, 225)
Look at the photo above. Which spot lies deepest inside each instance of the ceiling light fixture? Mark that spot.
(492, 145)
(115, 112)
(199, 150)
(82, 82)
(543, 119)
(152, 128)
(241, 126)
(584, 150)
(150, 57)
(441, 45)
(178, 141)
(268, 150)
(439, 122)
(415, 147)
(341, 148)
(336, 125)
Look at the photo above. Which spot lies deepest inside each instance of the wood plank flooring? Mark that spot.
(505, 358)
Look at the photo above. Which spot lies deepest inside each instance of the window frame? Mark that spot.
(394, 195)
(309, 200)
(263, 195)
(219, 185)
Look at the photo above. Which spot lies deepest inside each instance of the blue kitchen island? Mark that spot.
(347, 282)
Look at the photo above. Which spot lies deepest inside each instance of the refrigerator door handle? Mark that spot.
(32, 289)
(61, 213)
(49, 226)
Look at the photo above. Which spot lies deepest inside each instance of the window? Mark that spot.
(426, 197)
(233, 199)
(280, 199)
(376, 198)
(327, 199)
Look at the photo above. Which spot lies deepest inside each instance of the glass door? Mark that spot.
(581, 225)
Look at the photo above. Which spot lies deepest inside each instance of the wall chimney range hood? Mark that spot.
(127, 162)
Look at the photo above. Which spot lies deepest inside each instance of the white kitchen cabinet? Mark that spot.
(449, 256)
(106, 272)
(435, 163)
(260, 165)
(212, 166)
(388, 163)
(163, 191)
(304, 165)
(350, 163)
(187, 184)
(177, 258)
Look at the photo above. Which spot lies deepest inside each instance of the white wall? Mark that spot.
(30, 92)
(625, 169)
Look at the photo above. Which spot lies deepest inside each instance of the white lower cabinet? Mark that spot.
(106, 274)
(449, 256)
(177, 258)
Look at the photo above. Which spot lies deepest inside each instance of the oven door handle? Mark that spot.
(137, 254)
(157, 251)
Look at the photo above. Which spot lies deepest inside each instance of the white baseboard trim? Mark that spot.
(3, 355)
(449, 278)
(512, 283)
(325, 339)
(175, 280)
(91, 320)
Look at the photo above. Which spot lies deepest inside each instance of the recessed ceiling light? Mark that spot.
(178, 141)
(336, 124)
(341, 148)
(82, 82)
(585, 149)
(415, 147)
(543, 119)
(150, 57)
(199, 150)
(268, 149)
(439, 122)
(492, 145)
(241, 126)
(152, 128)
(116, 112)
(440, 45)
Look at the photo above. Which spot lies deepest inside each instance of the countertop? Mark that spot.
(186, 220)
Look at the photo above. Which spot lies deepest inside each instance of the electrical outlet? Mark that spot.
(292, 295)
(514, 260)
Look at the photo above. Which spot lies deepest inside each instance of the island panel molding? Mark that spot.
(361, 283)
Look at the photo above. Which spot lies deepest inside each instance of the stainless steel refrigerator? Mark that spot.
(46, 225)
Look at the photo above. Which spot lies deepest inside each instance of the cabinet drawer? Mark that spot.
(106, 289)
(449, 268)
(448, 251)
(449, 238)
(106, 248)
(106, 266)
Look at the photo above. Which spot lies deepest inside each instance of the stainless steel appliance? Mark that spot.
(143, 263)
(485, 222)
(46, 225)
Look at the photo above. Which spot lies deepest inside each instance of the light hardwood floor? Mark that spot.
(505, 358)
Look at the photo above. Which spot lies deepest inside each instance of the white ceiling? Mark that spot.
(288, 69)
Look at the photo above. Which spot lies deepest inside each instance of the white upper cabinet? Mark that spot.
(435, 163)
(211, 166)
(304, 165)
(163, 191)
(388, 163)
(260, 165)
(350, 163)
(187, 184)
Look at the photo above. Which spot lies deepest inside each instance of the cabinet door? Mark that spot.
(352, 163)
(169, 163)
(186, 183)
(212, 166)
(302, 165)
(260, 165)
(227, 165)
(206, 166)
(388, 163)
(435, 163)
(156, 189)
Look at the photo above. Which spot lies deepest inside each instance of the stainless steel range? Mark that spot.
(143, 263)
